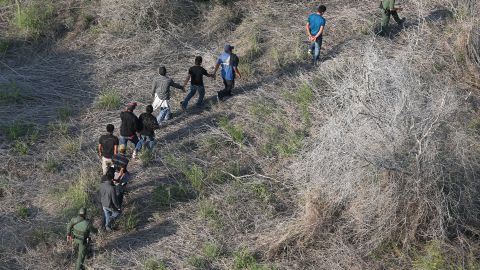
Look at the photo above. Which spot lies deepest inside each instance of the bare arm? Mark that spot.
(154, 87)
(308, 30)
(100, 148)
(216, 69)
(186, 81)
(237, 71)
(320, 32)
(115, 149)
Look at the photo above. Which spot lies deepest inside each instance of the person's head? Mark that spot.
(110, 174)
(82, 212)
(228, 48)
(131, 106)
(162, 70)
(198, 60)
(110, 128)
(149, 109)
(321, 9)
(121, 148)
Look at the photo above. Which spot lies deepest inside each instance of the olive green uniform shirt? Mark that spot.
(388, 4)
(79, 228)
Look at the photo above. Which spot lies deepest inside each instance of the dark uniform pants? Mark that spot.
(386, 17)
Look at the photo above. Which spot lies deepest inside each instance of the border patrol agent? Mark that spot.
(78, 231)
(389, 9)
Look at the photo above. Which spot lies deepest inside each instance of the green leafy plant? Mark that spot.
(235, 131)
(154, 264)
(109, 100)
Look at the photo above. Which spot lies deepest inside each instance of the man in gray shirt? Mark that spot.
(161, 92)
(110, 205)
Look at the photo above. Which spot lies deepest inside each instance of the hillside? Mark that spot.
(368, 161)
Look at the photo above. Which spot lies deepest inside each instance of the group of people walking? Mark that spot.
(140, 131)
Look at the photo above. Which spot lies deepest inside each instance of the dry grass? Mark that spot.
(387, 157)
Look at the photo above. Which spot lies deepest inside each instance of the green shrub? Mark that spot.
(22, 212)
(209, 212)
(72, 146)
(64, 113)
(40, 235)
(166, 194)
(77, 194)
(154, 264)
(211, 251)
(34, 19)
(21, 147)
(130, 219)
(146, 157)
(109, 100)
(432, 259)
(17, 130)
(234, 131)
(9, 92)
(198, 262)
(59, 127)
(262, 192)
(51, 165)
(243, 259)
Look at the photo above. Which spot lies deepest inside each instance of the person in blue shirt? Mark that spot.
(315, 28)
(229, 63)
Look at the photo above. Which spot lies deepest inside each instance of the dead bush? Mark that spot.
(390, 163)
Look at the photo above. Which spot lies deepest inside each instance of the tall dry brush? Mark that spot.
(393, 162)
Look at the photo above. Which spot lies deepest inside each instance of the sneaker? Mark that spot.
(310, 52)
(108, 229)
(134, 155)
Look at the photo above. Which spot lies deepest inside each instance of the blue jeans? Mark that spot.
(110, 215)
(315, 47)
(124, 140)
(193, 91)
(148, 140)
(165, 114)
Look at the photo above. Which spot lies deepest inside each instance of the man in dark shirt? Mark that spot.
(196, 74)
(107, 147)
(149, 125)
(108, 197)
(129, 127)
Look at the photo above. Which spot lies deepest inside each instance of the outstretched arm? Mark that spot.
(186, 81)
(235, 68)
(178, 86)
(216, 69)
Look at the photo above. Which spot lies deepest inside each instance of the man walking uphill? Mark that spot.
(388, 8)
(78, 231)
(129, 127)
(229, 62)
(107, 147)
(196, 74)
(315, 27)
(161, 92)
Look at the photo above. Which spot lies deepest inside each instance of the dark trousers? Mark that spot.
(227, 91)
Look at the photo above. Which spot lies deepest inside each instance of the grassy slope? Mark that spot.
(244, 195)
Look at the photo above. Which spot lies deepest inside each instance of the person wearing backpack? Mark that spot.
(161, 93)
(78, 232)
(147, 134)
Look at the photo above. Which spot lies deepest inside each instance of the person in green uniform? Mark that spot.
(78, 231)
(389, 9)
